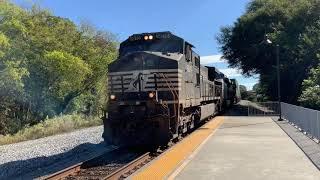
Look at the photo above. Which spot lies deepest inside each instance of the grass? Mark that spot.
(57, 125)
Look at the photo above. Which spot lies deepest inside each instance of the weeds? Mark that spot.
(48, 127)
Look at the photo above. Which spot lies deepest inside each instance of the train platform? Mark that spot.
(233, 147)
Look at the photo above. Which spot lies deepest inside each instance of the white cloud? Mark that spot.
(249, 85)
(230, 72)
(211, 59)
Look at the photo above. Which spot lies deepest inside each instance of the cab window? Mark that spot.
(188, 52)
(197, 62)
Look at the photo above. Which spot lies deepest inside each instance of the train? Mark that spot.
(158, 91)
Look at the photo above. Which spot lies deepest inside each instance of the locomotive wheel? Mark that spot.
(191, 125)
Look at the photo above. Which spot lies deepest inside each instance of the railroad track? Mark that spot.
(117, 164)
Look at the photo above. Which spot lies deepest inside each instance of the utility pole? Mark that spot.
(268, 41)
(278, 78)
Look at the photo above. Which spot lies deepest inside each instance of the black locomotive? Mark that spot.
(158, 91)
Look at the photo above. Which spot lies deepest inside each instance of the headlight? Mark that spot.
(150, 37)
(151, 95)
(146, 37)
(112, 97)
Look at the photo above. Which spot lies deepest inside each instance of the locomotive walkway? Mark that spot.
(233, 147)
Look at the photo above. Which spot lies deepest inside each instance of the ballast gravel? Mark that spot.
(35, 158)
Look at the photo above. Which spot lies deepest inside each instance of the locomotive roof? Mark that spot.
(162, 34)
(216, 71)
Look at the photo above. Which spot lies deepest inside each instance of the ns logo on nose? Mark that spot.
(135, 83)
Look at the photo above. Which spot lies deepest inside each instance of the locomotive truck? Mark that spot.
(158, 91)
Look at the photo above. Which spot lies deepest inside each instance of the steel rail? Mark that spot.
(64, 173)
(71, 170)
(129, 168)
(118, 173)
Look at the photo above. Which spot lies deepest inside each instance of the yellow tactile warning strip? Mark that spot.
(170, 160)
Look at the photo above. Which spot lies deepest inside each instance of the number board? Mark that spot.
(163, 35)
(135, 38)
(139, 37)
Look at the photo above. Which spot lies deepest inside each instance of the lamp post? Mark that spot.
(278, 76)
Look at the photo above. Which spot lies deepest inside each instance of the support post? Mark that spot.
(278, 79)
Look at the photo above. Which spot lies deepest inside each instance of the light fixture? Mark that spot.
(269, 41)
(151, 95)
(112, 97)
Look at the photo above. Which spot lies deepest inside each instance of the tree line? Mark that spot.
(49, 66)
(294, 25)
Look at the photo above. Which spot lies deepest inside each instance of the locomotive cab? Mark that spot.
(158, 91)
(143, 83)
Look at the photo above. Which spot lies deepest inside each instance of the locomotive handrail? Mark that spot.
(171, 88)
(174, 93)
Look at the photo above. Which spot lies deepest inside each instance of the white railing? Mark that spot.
(263, 108)
(306, 120)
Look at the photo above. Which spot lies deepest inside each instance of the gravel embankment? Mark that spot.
(30, 159)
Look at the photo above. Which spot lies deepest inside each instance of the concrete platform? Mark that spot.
(247, 148)
(305, 143)
(166, 163)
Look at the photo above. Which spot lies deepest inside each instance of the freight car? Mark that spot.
(158, 91)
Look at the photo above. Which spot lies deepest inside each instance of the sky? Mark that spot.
(197, 21)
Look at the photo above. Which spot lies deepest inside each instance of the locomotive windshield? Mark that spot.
(155, 45)
(142, 61)
(133, 53)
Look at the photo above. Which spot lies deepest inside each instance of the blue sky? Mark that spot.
(197, 21)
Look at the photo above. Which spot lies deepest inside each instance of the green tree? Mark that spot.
(65, 73)
(310, 96)
(49, 65)
(90, 51)
(4, 44)
(247, 95)
(259, 90)
(12, 70)
(256, 87)
(243, 92)
(294, 25)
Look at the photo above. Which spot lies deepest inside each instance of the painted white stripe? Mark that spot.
(146, 90)
(146, 71)
(173, 75)
(118, 76)
(119, 81)
(163, 83)
(167, 78)
(148, 81)
(163, 89)
(118, 86)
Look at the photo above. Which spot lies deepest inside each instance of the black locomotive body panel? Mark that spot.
(158, 90)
